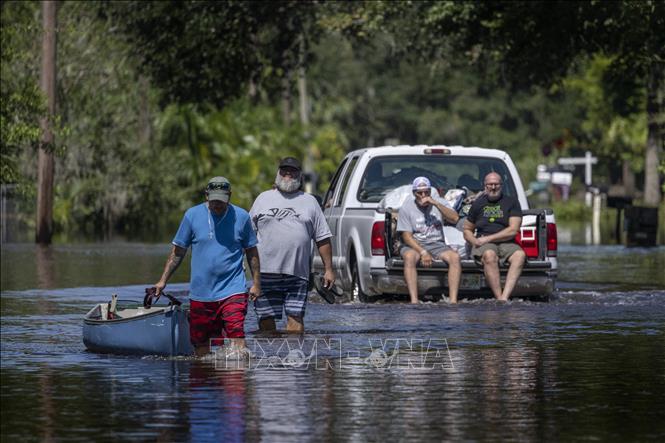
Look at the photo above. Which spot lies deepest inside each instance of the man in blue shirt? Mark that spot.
(218, 233)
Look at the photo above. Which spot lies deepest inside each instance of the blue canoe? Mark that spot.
(155, 330)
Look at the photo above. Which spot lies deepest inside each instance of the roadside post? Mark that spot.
(619, 203)
(588, 160)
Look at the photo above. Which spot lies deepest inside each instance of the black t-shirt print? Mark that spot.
(492, 217)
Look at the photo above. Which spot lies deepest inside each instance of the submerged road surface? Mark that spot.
(588, 365)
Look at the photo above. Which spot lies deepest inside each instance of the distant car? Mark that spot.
(364, 254)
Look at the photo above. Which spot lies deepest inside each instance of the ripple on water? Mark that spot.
(516, 368)
(608, 298)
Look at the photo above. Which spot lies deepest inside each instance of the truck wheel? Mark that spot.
(356, 291)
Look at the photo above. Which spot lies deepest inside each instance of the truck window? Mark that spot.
(327, 199)
(383, 174)
(345, 182)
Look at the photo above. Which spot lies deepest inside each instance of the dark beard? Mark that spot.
(494, 200)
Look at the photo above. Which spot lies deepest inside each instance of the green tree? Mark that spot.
(539, 42)
(242, 142)
(379, 96)
(159, 96)
(618, 137)
(211, 52)
(108, 110)
(21, 102)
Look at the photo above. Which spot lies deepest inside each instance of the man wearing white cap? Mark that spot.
(420, 222)
(218, 233)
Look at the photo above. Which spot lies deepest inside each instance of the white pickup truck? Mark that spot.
(363, 244)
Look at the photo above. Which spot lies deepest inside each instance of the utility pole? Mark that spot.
(652, 195)
(46, 162)
(308, 166)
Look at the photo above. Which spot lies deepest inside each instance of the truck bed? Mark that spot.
(536, 279)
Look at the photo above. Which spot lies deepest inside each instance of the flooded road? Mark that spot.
(589, 365)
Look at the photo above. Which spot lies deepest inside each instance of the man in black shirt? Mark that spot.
(496, 218)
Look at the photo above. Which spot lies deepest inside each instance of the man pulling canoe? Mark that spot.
(219, 233)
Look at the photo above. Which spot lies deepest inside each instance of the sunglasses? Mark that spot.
(293, 172)
(218, 186)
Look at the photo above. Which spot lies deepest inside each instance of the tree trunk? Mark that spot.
(145, 118)
(286, 97)
(252, 87)
(308, 165)
(302, 92)
(252, 90)
(46, 163)
(628, 179)
(652, 193)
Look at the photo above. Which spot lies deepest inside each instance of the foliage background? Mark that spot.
(156, 97)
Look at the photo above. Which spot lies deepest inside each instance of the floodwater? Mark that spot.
(589, 365)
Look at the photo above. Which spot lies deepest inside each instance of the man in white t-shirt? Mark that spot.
(286, 220)
(420, 222)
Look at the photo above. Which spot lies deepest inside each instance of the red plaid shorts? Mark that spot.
(217, 319)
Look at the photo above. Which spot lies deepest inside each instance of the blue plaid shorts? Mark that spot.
(281, 292)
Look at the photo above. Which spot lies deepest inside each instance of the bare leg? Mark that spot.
(454, 273)
(295, 325)
(238, 343)
(267, 324)
(492, 275)
(235, 354)
(410, 274)
(516, 261)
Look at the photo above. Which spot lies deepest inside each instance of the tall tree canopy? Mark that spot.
(540, 42)
(21, 102)
(156, 96)
(208, 52)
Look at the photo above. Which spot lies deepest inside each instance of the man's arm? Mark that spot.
(255, 268)
(449, 214)
(507, 233)
(325, 251)
(469, 232)
(177, 255)
(411, 242)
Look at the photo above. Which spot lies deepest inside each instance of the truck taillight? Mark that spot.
(528, 240)
(552, 242)
(378, 239)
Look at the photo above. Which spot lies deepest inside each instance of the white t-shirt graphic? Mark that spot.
(285, 225)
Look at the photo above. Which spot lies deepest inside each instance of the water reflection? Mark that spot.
(29, 266)
(602, 233)
(47, 404)
(528, 369)
(607, 268)
(45, 266)
(588, 365)
(218, 403)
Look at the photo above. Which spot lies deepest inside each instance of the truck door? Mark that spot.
(330, 212)
(336, 212)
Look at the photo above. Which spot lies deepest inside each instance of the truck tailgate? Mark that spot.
(469, 266)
